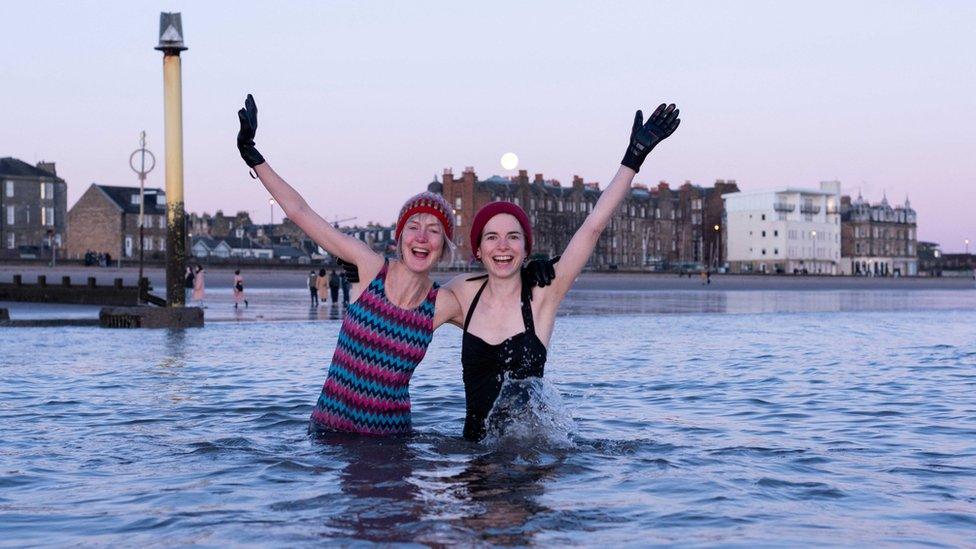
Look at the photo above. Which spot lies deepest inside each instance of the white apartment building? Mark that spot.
(786, 231)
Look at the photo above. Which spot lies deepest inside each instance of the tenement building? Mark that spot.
(33, 203)
(785, 231)
(655, 228)
(106, 220)
(878, 240)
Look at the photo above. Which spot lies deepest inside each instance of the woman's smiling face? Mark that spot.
(422, 242)
(502, 247)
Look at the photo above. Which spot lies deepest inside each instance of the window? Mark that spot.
(531, 203)
(764, 217)
(135, 199)
(147, 221)
(457, 202)
(764, 234)
(775, 251)
(11, 214)
(47, 217)
(764, 251)
(162, 244)
(162, 222)
(47, 191)
(559, 206)
(775, 233)
(457, 220)
(10, 188)
(147, 244)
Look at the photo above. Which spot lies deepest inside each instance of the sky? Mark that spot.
(361, 104)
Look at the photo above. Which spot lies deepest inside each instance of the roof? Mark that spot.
(14, 167)
(210, 243)
(241, 243)
(122, 196)
(287, 251)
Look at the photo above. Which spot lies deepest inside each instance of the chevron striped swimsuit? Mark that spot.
(367, 388)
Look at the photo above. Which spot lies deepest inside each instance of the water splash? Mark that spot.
(529, 414)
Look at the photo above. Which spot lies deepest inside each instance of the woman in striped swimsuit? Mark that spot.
(386, 330)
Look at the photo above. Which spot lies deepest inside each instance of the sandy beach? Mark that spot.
(295, 278)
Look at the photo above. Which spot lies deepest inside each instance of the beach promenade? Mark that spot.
(283, 278)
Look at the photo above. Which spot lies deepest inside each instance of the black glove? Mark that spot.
(539, 272)
(352, 271)
(644, 137)
(245, 137)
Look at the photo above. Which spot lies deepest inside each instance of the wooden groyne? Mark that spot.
(89, 293)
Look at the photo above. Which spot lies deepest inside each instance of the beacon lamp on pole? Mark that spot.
(171, 44)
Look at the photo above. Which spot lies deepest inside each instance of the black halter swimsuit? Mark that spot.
(521, 356)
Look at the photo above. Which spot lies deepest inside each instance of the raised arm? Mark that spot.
(321, 231)
(643, 138)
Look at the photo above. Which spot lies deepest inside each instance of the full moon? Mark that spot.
(509, 161)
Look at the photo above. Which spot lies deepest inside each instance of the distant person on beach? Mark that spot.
(322, 287)
(344, 285)
(507, 324)
(239, 289)
(188, 280)
(313, 289)
(334, 284)
(387, 328)
(198, 286)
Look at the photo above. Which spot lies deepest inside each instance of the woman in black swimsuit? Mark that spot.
(507, 326)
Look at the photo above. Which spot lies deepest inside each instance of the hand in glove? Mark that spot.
(539, 272)
(245, 137)
(644, 137)
(352, 271)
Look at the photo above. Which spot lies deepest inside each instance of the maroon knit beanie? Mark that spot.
(492, 209)
(427, 202)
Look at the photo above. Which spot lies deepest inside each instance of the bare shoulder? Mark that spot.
(369, 266)
(465, 285)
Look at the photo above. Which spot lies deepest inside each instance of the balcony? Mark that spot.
(810, 209)
(784, 207)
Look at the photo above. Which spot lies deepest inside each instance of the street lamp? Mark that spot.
(271, 202)
(967, 246)
(718, 260)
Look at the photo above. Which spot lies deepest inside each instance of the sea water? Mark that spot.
(787, 423)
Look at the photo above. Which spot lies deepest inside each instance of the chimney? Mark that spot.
(48, 167)
(577, 182)
(448, 176)
(663, 186)
(538, 178)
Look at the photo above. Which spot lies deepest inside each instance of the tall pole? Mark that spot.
(171, 44)
(141, 171)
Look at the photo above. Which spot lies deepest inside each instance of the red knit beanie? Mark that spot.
(431, 203)
(492, 209)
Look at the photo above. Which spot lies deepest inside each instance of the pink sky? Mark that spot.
(362, 103)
